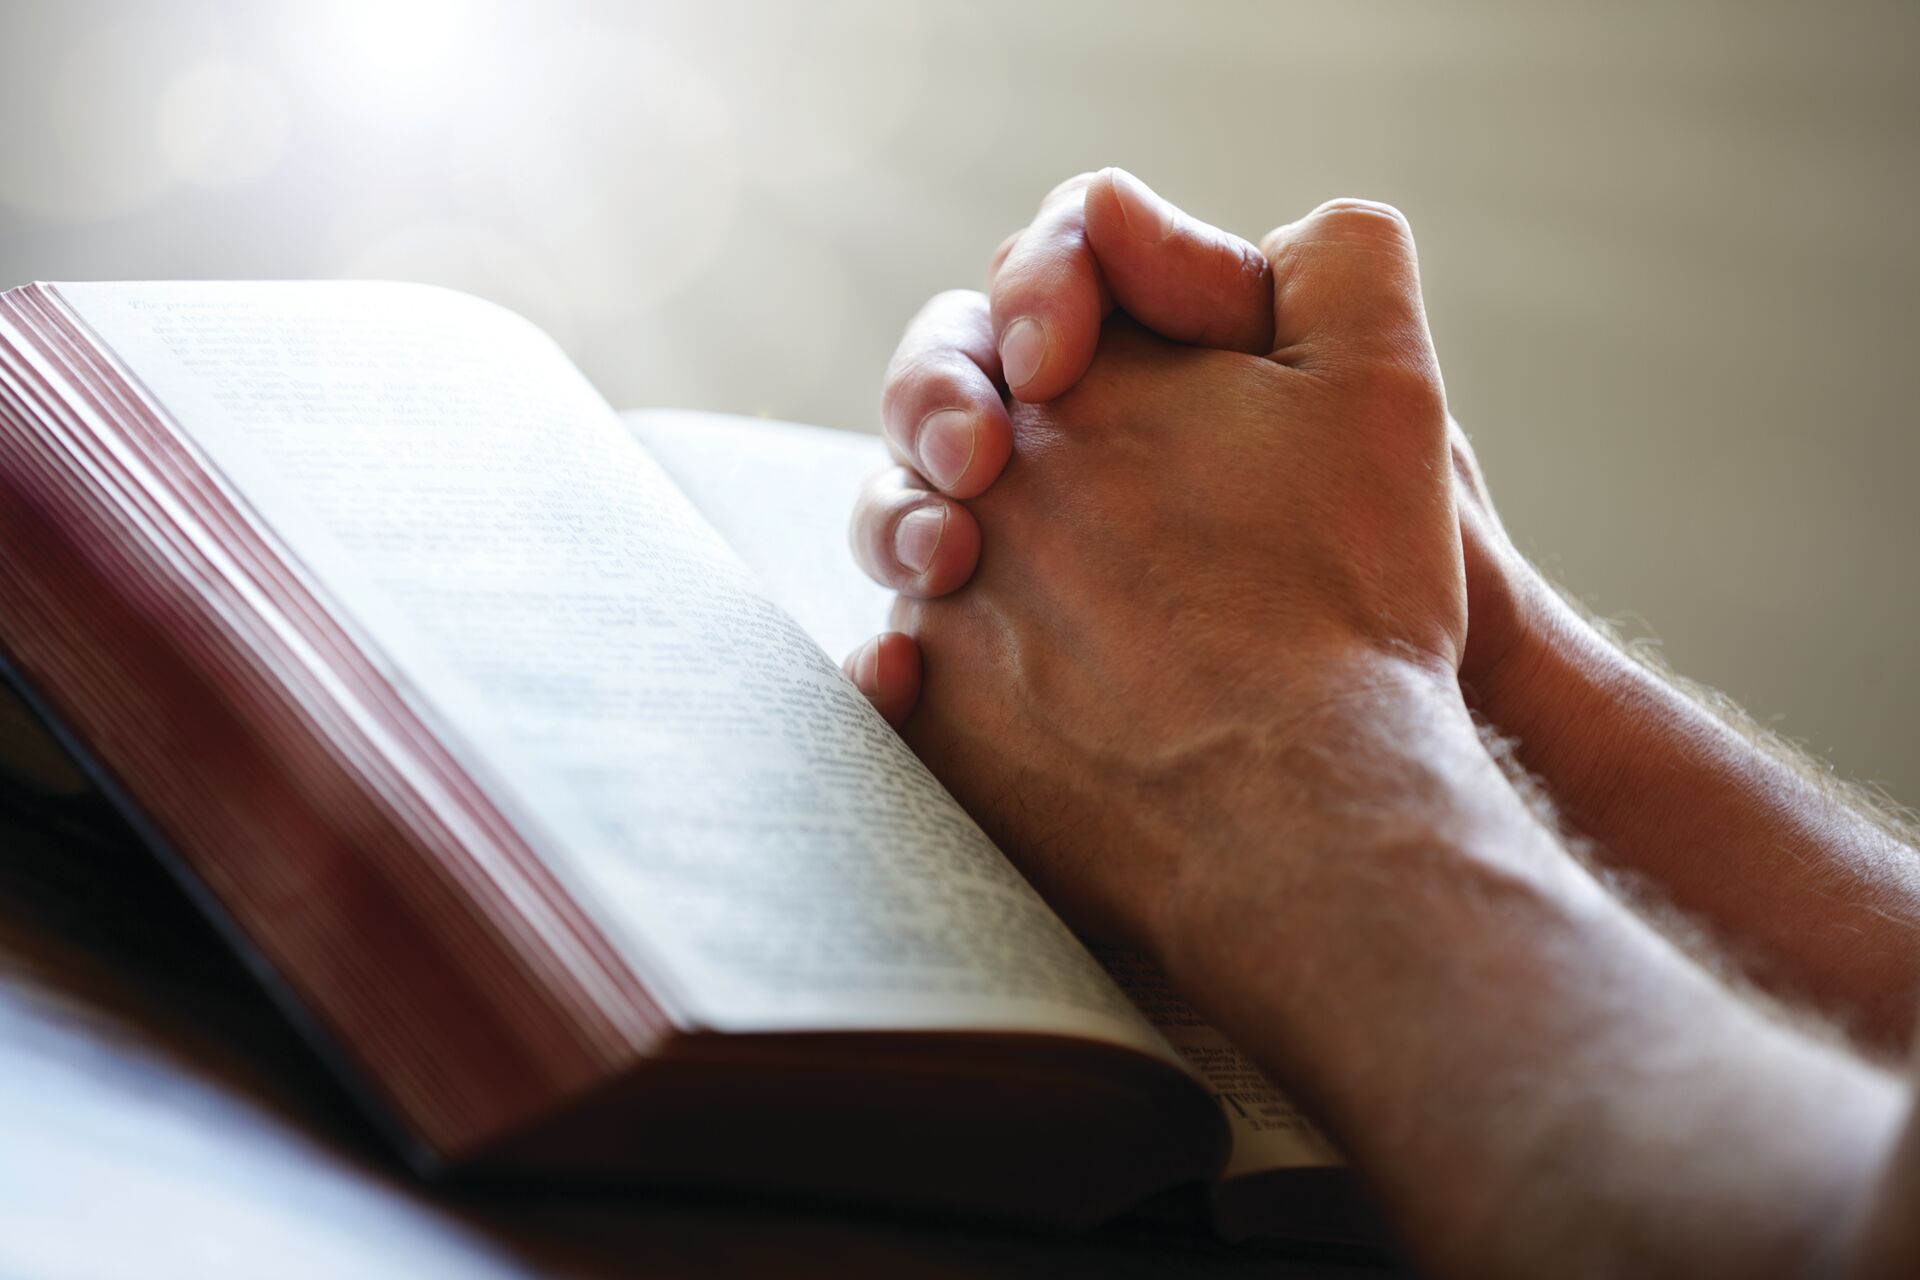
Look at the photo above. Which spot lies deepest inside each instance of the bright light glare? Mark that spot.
(397, 55)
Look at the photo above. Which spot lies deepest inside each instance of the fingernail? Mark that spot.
(1145, 213)
(1023, 346)
(866, 668)
(917, 537)
(946, 440)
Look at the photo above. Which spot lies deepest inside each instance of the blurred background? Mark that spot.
(1668, 249)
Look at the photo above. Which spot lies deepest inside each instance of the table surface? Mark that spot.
(159, 1118)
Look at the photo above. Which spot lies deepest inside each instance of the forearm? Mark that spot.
(1817, 897)
(1492, 1038)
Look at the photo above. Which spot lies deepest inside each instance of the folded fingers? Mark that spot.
(940, 405)
(1048, 297)
(912, 539)
(887, 670)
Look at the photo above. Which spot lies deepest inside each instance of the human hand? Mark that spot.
(1098, 698)
(1201, 560)
(1100, 241)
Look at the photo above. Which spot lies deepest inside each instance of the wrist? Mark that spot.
(1578, 706)
(1386, 766)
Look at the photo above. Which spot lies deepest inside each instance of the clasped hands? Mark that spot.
(1164, 498)
(1200, 598)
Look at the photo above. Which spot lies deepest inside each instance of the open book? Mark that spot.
(507, 738)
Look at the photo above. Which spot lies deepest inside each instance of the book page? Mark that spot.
(1266, 1131)
(767, 852)
(781, 494)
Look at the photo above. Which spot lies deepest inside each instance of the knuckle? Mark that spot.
(1344, 220)
(941, 374)
(1244, 264)
(1076, 186)
(883, 495)
(935, 323)
(952, 301)
(936, 316)
(1240, 270)
(1362, 221)
(1235, 264)
(925, 380)
(1042, 258)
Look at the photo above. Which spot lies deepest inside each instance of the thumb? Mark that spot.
(1346, 290)
(1176, 275)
